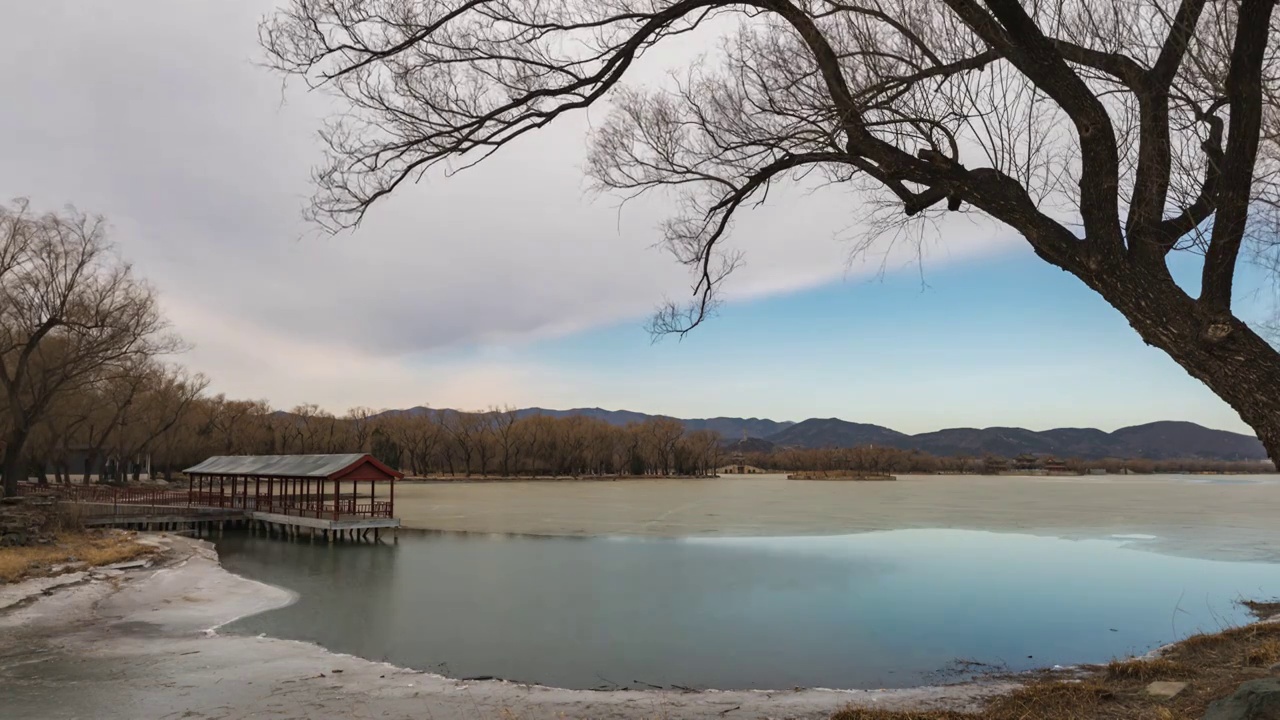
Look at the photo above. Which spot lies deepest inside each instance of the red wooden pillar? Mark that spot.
(392, 509)
(221, 496)
(337, 497)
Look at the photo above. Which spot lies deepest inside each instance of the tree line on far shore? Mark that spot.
(425, 442)
(882, 459)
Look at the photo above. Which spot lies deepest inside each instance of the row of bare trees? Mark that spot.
(105, 435)
(506, 443)
(882, 459)
(80, 342)
(425, 442)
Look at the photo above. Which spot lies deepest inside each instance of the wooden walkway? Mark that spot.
(183, 511)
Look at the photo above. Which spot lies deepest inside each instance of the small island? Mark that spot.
(838, 475)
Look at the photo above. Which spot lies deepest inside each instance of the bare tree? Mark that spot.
(311, 427)
(360, 422)
(167, 397)
(509, 438)
(705, 448)
(70, 310)
(1108, 133)
(661, 436)
(108, 404)
(469, 432)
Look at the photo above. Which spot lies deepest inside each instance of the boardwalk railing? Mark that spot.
(296, 505)
(105, 504)
(109, 494)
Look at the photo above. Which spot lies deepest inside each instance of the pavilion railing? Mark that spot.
(296, 505)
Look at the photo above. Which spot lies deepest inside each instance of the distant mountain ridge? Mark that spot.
(1162, 440)
(729, 428)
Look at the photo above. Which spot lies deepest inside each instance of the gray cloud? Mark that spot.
(153, 113)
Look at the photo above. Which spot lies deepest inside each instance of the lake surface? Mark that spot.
(879, 609)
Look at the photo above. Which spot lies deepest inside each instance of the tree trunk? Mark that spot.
(13, 468)
(1215, 348)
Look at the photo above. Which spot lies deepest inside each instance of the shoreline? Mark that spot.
(794, 475)
(157, 629)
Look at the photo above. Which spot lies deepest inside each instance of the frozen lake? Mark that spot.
(876, 609)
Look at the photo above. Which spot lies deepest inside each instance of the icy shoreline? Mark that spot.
(156, 632)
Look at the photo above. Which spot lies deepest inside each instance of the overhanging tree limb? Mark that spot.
(1235, 180)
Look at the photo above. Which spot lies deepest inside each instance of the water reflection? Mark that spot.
(885, 609)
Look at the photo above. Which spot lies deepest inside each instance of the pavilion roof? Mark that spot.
(291, 466)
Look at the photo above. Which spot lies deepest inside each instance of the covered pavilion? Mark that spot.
(338, 490)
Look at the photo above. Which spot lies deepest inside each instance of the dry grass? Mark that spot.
(1263, 610)
(93, 547)
(1147, 670)
(1211, 665)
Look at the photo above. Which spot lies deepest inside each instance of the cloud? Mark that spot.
(159, 118)
(290, 372)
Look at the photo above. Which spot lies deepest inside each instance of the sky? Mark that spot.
(514, 283)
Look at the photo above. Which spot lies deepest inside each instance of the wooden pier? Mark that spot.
(313, 497)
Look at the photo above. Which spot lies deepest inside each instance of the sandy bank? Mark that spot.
(1228, 518)
(141, 645)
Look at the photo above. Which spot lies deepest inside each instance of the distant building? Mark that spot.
(1026, 461)
(80, 461)
(740, 470)
(994, 465)
(1054, 466)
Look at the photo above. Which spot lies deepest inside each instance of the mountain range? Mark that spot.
(1164, 440)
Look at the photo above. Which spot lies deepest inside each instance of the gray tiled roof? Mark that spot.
(314, 466)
